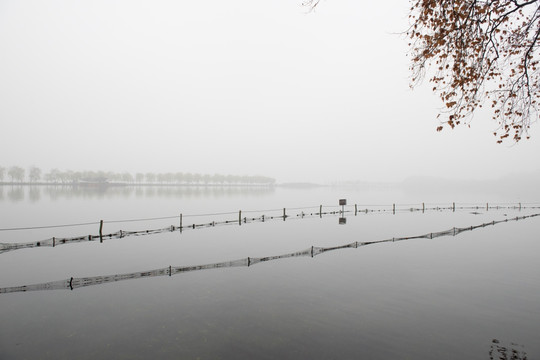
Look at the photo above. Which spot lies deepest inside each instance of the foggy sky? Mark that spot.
(244, 87)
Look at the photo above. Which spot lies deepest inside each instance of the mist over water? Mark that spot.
(459, 291)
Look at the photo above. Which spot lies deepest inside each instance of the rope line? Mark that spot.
(49, 226)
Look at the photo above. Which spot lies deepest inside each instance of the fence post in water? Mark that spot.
(284, 214)
(487, 206)
(320, 211)
(180, 222)
(240, 217)
(519, 206)
(53, 241)
(423, 207)
(101, 231)
(394, 209)
(355, 209)
(453, 207)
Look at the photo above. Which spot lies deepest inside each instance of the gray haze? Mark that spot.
(241, 86)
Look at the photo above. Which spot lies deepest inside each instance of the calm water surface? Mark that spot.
(471, 296)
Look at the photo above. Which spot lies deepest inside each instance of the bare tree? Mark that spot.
(139, 177)
(16, 174)
(34, 174)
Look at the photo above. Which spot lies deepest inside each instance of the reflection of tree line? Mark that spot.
(34, 175)
(34, 193)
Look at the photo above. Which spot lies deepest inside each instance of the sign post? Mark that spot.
(342, 219)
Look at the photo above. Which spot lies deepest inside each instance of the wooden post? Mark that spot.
(423, 207)
(101, 231)
(453, 207)
(487, 206)
(355, 209)
(320, 211)
(53, 241)
(394, 209)
(519, 206)
(284, 214)
(180, 222)
(240, 217)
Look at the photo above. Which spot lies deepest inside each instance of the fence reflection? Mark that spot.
(74, 283)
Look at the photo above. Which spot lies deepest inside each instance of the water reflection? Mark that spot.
(313, 251)
(16, 193)
(34, 193)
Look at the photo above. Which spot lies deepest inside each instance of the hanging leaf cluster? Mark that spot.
(479, 53)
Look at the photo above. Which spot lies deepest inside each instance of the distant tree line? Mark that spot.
(35, 175)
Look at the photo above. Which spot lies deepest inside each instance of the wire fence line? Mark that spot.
(56, 241)
(396, 207)
(74, 283)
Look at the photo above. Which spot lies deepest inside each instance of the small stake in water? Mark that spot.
(320, 211)
(355, 209)
(394, 209)
(180, 222)
(240, 217)
(453, 207)
(423, 207)
(284, 214)
(101, 231)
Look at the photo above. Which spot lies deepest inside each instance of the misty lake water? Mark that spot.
(471, 296)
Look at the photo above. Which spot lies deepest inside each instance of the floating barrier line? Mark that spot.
(56, 241)
(361, 208)
(74, 283)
